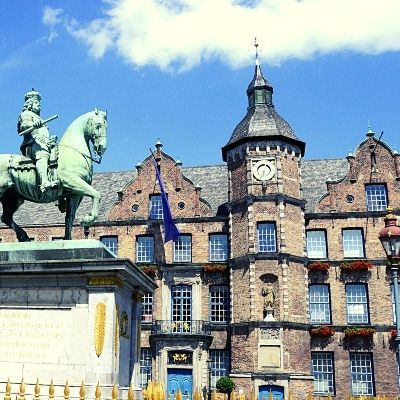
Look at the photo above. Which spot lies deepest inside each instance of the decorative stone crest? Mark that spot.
(270, 333)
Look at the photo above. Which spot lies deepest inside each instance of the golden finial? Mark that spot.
(82, 393)
(7, 395)
(114, 392)
(21, 394)
(36, 391)
(130, 393)
(97, 392)
(66, 391)
(51, 390)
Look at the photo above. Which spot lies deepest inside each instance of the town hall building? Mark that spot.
(278, 278)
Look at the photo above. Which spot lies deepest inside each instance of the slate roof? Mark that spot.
(212, 179)
(261, 121)
(315, 173)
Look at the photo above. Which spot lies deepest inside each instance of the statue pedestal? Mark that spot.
(269, 314)
(69, 310)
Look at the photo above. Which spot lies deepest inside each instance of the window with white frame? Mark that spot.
(362, 378)
(316, 244)
(323, 371)
(320, 307)
(183, 249)
(155, 207)
(145, 366)
(353, 243)
(147, 307)
(266, 234)
(182, 307)
(357, 303)
(219, 365)
(218, 247)
(219, 303)
(376, 197)
(111, 242)
(145, 249)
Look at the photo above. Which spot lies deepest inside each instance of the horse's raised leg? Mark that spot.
(72, 205)
(11, 202)
(80, 188)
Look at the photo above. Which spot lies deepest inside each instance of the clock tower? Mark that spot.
(267, 238)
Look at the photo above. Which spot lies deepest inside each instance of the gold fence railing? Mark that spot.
(66, 395)
(154, 391)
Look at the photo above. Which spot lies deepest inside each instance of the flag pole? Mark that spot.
(171, 232)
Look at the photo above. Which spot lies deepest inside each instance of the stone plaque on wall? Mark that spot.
(31, 335)
(269, 357)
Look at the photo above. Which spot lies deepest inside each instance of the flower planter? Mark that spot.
(318, 266)
(358, 265)
(322, 331)
(393, 334)
(359, 332)
(150, 270)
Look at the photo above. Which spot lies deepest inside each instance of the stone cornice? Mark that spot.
(277, 198)
(237, 262)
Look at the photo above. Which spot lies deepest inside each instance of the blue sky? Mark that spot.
(178, 70)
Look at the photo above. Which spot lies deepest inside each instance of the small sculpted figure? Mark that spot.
(269, 297)
(36, 143)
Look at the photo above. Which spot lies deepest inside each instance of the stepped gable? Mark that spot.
(185, 198)
(373, 162)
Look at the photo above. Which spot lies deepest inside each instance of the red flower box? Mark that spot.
(322, 331)
(393, 334)
(149, 269)
(318, 266)
(358, 265)
(209, 268)
(359, 332)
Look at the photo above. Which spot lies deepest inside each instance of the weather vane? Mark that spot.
(256, 46)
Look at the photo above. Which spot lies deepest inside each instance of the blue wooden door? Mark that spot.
(180, 379)
(265, 390)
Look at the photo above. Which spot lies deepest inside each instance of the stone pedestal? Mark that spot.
(69, 310)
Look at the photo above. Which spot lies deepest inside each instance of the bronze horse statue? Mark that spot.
(74, 169)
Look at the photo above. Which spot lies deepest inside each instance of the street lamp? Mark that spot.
(390, 239)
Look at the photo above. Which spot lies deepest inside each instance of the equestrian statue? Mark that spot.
(48, 171)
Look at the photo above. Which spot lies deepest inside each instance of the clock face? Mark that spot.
(264, 170)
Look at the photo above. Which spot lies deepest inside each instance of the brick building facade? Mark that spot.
(278, 278)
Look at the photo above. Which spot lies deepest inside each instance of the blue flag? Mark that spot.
(171, 232)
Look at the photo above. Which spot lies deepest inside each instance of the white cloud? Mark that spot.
(51, 17)
(179, 34)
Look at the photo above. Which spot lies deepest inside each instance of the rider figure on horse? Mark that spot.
(36, 144)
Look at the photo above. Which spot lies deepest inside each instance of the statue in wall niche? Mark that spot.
(269, 302)
(47, 171)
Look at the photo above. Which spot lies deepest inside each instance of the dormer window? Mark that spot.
(376, 197)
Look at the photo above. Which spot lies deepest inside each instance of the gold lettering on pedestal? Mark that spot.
(99, 328)
(105, 281)
(34, 335)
